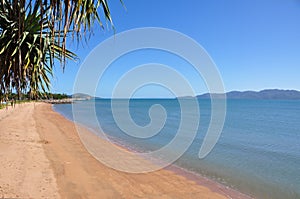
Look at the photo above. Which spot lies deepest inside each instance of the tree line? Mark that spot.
(27, 96)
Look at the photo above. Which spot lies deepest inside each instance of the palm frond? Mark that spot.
(34, 33)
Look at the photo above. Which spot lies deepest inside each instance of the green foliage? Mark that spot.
(54, 96)
(33, 34)
(46, 95)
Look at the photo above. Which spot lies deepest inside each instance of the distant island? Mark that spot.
(264, 94)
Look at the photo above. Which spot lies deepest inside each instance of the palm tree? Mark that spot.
(33, 34)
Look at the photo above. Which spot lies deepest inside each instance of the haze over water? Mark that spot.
(258, 152)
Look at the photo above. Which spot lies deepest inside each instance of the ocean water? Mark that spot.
(258, 152)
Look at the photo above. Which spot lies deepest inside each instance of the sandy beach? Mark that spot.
(42, 157)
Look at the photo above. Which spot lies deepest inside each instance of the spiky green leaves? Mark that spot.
(33, 35)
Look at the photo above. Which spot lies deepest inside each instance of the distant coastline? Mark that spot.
(267, 94)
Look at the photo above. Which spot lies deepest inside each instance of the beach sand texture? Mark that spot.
(42, 157)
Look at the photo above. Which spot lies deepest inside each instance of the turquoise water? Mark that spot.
(258, 152)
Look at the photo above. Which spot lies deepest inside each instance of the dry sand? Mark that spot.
(42, 157)
(25, 170)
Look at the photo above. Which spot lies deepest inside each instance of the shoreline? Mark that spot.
(197, 178)
(213, 185)
(43, 157)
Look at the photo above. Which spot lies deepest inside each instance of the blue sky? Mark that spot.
(254, 43)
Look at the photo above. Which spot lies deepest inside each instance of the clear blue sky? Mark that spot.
(254, 43)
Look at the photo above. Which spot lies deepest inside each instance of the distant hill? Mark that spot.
(264, 94)
(81, 96)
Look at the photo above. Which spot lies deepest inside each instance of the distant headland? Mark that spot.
(270, 94)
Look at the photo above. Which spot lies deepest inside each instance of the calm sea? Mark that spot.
(258, 152)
